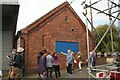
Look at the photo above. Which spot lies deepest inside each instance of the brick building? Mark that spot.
(60, 27)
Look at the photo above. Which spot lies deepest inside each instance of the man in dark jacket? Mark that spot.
(18, 65)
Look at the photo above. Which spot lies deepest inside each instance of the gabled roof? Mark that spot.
(46, 16)
(45, 19)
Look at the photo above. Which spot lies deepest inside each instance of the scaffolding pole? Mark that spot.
(96, 32)
(102, 11)
(109, 67)
(91, 18)
(87, 37)
(105, 33)
(110, 20)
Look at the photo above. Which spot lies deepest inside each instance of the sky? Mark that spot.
(31, 10)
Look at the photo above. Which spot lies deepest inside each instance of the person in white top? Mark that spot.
(49, 61)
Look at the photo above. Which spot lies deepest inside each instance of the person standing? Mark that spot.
(94, 59)
(38, 61)
(42, 65)
(69, 61)
(56, 65)
(79, 60)
(91, 59)
(49, 60)
(11, 56)
(18, 64)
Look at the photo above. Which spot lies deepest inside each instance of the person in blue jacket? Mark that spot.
(69, 61)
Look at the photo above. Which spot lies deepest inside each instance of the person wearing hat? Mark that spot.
(69, 61)
(18, 65)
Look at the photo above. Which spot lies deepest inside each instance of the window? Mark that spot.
(66, 19)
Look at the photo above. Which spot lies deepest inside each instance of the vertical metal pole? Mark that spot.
(91, 18)
(119, 15)
(87, 37)
(1, 39)
(110, 20)
(118, 24)
(105, 33)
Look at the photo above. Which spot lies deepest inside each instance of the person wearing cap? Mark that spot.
(69, 61)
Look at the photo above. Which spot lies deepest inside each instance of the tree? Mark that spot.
(105, 46)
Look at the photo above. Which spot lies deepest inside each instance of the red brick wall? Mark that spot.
(55, 30)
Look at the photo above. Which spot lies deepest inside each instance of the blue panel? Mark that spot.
(64, 46)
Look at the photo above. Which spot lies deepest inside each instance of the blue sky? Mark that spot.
(31, 10)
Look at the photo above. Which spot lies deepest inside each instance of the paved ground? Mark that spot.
(76, 74)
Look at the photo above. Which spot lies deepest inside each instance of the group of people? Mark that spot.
(73, 59)
(78, 59)
(47, 61)
(16, 64)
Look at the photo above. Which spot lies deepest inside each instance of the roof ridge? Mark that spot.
(48, 13)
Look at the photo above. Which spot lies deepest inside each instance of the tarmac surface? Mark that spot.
(77, 75)
(83, 75)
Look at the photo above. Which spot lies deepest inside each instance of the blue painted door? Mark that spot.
(62, 46)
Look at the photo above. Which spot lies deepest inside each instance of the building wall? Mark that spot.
(0, 38)
(9, 20)
(56, 29)
(7, 42)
